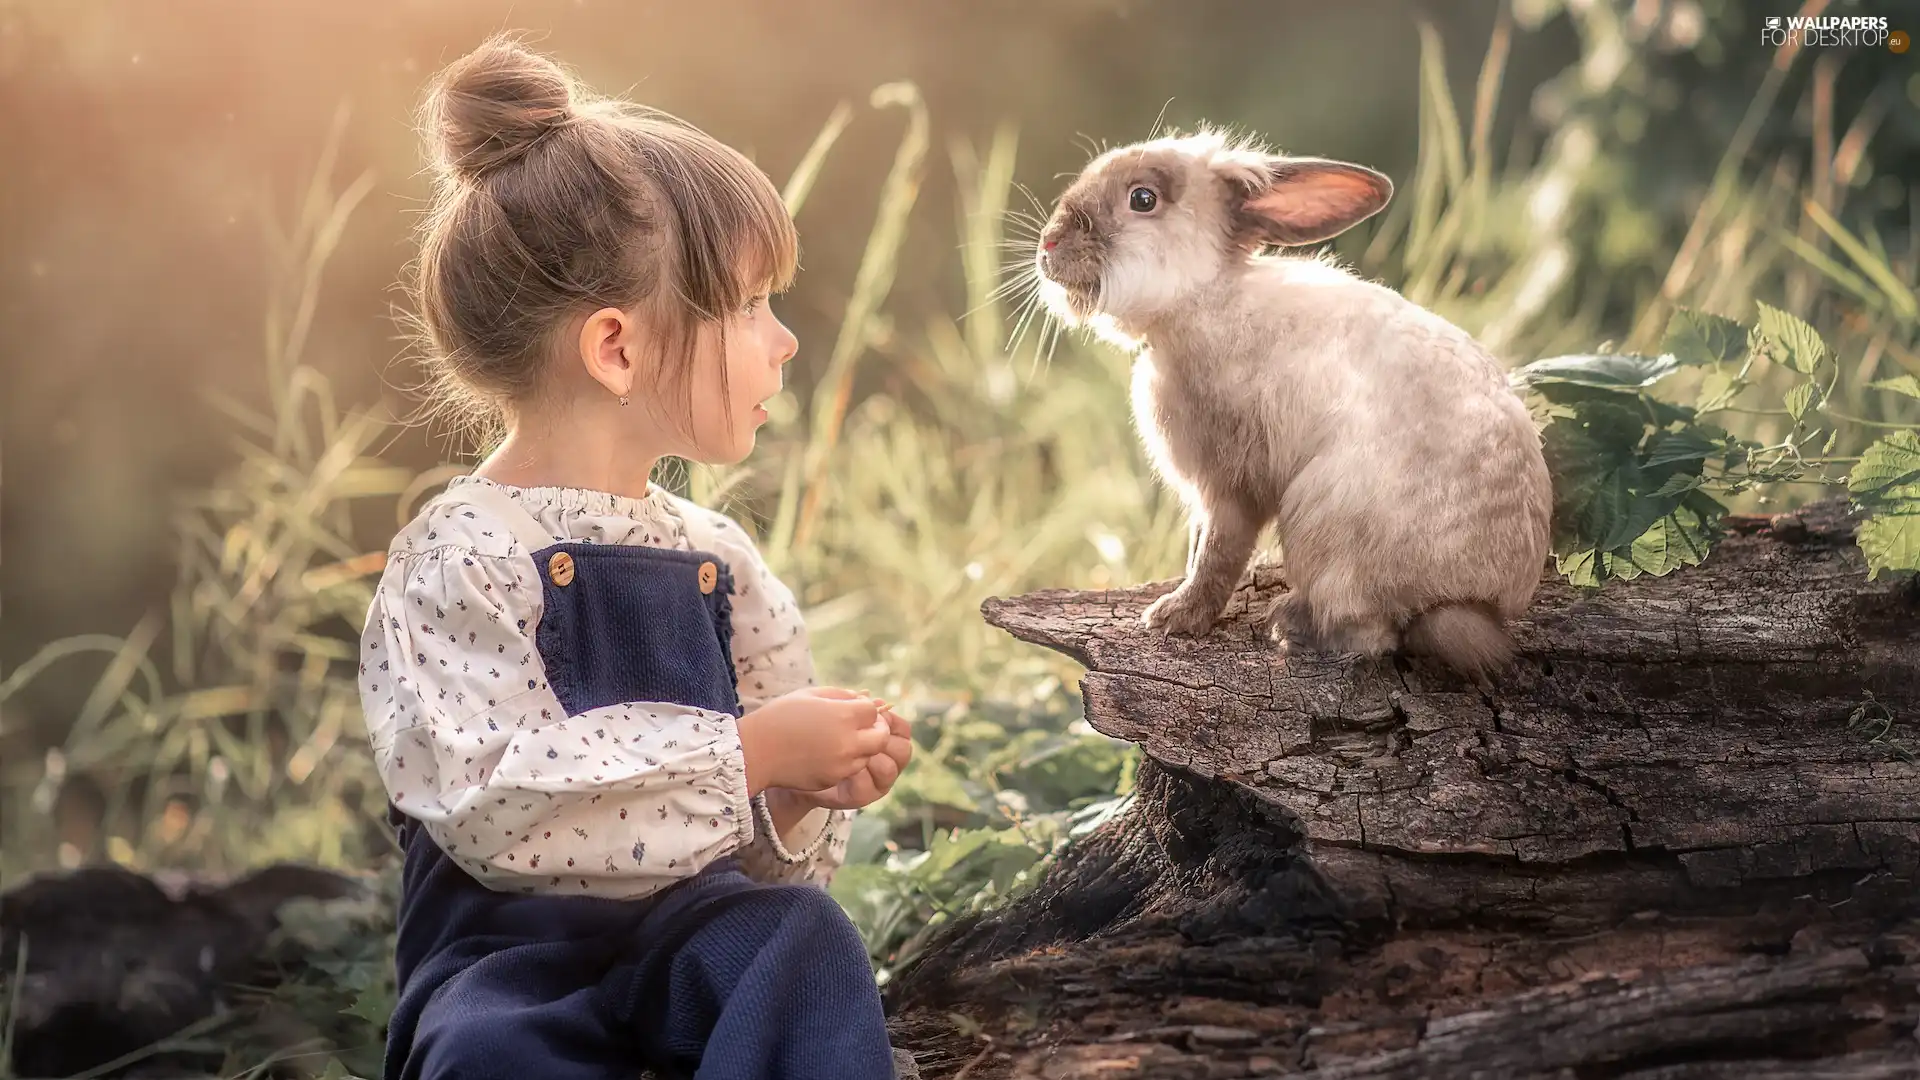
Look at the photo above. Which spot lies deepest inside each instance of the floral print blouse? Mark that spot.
(619, 801)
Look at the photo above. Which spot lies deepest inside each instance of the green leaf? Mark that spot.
(1063, 768)
(1607, 371)
(1681, 538)
(1904, 384)
(1891, 537)
(867, 838)
(1643, 513)
(865, 885)
(1795, 342)
(1798, 399)
(1688, 444)
(374, 1004)
(1612, 379)
(932, 782)
(1621, 518)
(1887, 483)
(1621, 511)
(879, 900)
(1893, 460)
(1593, 459)
(1575, 397)
(1701, 338)
(1718, 389)
(1679, 484)
(1581, 568)
(974, 858)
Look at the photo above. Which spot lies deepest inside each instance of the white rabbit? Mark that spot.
(1403, 475)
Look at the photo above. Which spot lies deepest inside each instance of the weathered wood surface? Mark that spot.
(1656, 845)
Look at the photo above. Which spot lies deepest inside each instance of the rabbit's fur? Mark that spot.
(1402, 474)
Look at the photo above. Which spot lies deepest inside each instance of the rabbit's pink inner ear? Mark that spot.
(1312, 201)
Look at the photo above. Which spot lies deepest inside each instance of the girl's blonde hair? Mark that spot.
(551, 203)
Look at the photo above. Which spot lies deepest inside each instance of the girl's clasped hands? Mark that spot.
(831, 747)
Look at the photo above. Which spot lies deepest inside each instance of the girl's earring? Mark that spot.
(623, 399)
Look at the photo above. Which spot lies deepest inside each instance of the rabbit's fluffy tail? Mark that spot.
(1468, 638)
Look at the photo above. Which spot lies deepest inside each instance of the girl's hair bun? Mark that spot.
(491, 106)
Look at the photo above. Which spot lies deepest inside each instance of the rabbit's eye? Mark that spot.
(1142, 200)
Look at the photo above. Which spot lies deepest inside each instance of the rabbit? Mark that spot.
(1403, 476)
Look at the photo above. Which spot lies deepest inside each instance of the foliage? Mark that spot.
(1634, 474)
(332, 967)
(982, 811)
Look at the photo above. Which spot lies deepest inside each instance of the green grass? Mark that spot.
(994, 458)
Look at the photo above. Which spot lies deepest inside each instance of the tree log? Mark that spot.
(103, 965)
(1670, 842)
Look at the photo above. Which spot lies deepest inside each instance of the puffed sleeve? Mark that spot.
(772, 655)
(619, 801)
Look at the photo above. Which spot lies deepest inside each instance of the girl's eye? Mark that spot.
(753, 304)
(1142, 200)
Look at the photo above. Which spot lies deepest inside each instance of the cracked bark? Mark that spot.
(1655, 850)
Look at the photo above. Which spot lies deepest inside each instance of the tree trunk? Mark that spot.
(1672, 842)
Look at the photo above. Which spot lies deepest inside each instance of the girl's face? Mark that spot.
(726, 420)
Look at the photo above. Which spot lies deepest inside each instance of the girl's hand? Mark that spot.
(874, 781)
(811, 739)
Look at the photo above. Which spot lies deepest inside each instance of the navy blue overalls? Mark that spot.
(718, 977)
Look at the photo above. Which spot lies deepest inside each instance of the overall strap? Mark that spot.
(528, 531)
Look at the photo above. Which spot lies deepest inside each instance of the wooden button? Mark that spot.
(560, 568)
(709, 574)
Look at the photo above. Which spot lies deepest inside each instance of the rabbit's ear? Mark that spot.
(1296, 201)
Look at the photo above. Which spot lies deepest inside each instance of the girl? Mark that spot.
(592, 705)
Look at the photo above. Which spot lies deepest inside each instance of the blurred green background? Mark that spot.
(208, 204)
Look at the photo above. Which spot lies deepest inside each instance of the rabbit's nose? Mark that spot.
(1049, 243)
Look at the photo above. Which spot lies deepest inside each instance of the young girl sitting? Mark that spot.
(618, 791)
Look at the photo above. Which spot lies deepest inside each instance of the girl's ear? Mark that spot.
(1296, 201)
(605, 338)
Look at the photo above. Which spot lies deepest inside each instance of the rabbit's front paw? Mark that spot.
(1183, 611)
